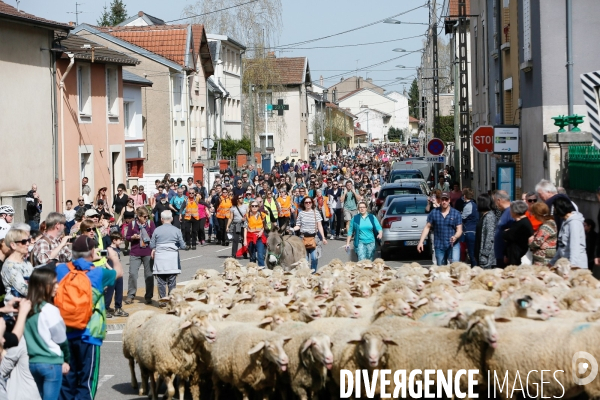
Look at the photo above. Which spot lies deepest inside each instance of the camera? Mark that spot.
(103, 253)
(71, 239)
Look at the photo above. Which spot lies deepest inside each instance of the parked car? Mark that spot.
(399, 174)
(403, 224)
(404, 187)
(388, 200)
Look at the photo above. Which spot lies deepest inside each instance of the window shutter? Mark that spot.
(526, 30)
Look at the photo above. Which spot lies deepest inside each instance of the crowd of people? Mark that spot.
(493, 232)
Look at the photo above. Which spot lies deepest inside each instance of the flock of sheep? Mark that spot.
(276, 333)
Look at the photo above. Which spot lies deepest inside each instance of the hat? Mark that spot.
(172, 180)
(248, 191)
(112, 219)
(162, 196)
(84, 243)
(100, 202)
(445, 195)
(325, 180)
(91, 213)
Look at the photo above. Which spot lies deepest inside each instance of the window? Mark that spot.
(178, 108)
(476, 61)
(112, 91)
(84, 90)
(127, 119)
(266, 141)
(265, 98)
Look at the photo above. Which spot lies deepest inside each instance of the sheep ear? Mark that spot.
(262, 307)
(472, 324)
(501, 319)
(421, 302)
(200, 290)
(356, 341)
(191, 298)
(266, 321)
(321, 296)
(306, 345)
(322, 305)
(185, 324)
(380, 310)
(256, 348)
(389, 341)
(293, 308)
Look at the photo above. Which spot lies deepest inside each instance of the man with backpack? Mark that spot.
(80, 299)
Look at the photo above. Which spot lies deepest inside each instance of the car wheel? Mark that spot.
(385, 253)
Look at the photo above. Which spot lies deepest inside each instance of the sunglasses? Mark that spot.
(24, 241)
(89, 229)
(445, 199)
(308, 202)
(79, 199)
(531, 200)
(254, 205)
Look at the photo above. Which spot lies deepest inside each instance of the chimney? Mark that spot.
(140, 13)
(321, 80)
(370, 80)
(334, 95)
(271, 54)
(71, 23)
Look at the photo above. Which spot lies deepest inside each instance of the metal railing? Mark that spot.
(584, 167)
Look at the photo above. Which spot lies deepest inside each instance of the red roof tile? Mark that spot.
(412, 119)
(290, 70)
(168, 41)
(359, 132)
(11, 12)
(453, 8)
(201, 48)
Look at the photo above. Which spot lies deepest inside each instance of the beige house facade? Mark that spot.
(27, 101)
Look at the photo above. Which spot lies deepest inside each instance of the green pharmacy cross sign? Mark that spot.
(279, 107)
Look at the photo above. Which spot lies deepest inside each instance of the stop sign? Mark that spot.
(483, 139)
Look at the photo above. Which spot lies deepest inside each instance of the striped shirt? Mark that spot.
(307, 220)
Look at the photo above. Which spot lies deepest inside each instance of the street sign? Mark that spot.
(483, 139)
(279, 107)
(506, 139)
(435, 147)
(208, 143)
(436, 159)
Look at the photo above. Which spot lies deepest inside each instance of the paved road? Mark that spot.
(114, 370)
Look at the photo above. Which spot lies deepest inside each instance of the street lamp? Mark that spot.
(399, 50)
(395, 21)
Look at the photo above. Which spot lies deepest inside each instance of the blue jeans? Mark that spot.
(311, 255)
(48, 378)
(117, 291)
(35, 226)
(451, 254)
(257, 252)
(469, 238)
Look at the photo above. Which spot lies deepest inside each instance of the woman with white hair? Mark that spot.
(165, 244)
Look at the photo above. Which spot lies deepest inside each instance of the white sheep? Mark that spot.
(310, 357)
(248, 358)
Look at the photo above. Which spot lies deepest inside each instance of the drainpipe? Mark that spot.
(570, 57)
(62, 124)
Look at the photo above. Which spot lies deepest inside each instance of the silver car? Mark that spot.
(403, 223)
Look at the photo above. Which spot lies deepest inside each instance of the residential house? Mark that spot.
(142, 19)
(285, 135)
(360, 136)
(227, 61)
(177, 60)
(375, 111)
(28, 104)
(400, 110)
(413, 126)
(133, 121)
(351, 84)
(91, 121)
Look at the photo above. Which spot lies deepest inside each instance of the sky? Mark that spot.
(305, 20)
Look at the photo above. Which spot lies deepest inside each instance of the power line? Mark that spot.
(353, 29)
(345, 45)
(212, 12)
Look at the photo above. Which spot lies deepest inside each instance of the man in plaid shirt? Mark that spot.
(51, 246)
(447, 229)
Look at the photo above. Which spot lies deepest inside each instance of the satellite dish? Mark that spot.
(208, 143)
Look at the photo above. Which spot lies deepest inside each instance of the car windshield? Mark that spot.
(404, 190)
(412, 206)
(396, 176)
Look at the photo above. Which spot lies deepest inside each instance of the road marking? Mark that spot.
(226, 248)
(191, 258)
(112, 341)
(114, 332)
(103, 379)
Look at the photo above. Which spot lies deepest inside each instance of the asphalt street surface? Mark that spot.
(114, 380)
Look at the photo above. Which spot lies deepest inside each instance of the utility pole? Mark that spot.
(436, 85)
(465, 135)
(252, 133)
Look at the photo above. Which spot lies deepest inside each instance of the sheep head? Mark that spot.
(317, 349)
(372, 347)
(272, 350)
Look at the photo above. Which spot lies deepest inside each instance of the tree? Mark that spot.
(413, 99)
(113, 15)
(395, 134)
(255, 25)
(443, 128)
(230, 147)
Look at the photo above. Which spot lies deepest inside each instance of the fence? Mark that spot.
(584, 168)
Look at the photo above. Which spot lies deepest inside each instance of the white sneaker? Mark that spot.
(331, 237)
